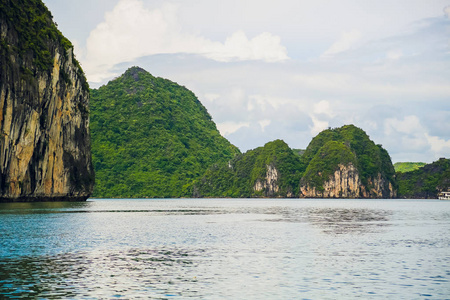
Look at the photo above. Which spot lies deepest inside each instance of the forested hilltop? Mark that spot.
(344, 163)
(425, 182)
(338, 163)
(270, 171)
(403, 167)
(151, 138)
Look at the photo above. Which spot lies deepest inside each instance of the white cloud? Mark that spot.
(387, 86)
(227, 128)
(447, 11)
(440, 147)
(320, 115)
(259, 103)
(409, 125)
(410, 135)
(211, 97)
(394, 54)
(376, 82)
(328, 80)
(264, 123)
(131, 30)
(318, 125)
(323, 107)
(266, 47)
(345, 42)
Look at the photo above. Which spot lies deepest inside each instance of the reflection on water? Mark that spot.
(132, 273)
(225, 249)
(41, 207)
(344, 220)
(334, 220)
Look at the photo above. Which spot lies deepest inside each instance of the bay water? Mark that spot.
(226, 249)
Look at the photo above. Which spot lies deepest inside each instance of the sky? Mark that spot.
(284, 69)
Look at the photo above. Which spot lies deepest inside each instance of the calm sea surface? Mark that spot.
(226, 249)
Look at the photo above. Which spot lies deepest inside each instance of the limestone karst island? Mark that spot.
(45, 150)
(150, 137)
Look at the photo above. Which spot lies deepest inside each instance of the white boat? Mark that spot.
(444, 195)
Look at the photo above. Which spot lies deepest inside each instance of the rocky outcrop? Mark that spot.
(378, 187)
(269, 186)
(345, 163)
(343, 183)
(44, 115)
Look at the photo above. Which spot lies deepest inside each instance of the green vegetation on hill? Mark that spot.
(326, 162)
(351, 144)
(299, 152)
(35, 34)
(238, 177)
(425, 182)
(151, 138)
(403, 167)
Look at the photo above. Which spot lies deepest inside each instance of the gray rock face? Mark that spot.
(344, 183)
(44, 122)
(270, 185)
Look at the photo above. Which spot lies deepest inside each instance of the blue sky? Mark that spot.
(286, 69)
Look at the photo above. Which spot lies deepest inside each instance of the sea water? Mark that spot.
(226, 249)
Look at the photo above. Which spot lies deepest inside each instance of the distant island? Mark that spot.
(153, 138)
(425, 182)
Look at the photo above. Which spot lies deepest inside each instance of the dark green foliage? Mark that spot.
(299, 152)
(370, 159)
(35, 30)
(403, 167)
(151, 138)
(33, 37)
(425, 182)
(238, 177)
(326, 162)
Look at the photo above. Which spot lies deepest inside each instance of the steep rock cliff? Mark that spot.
(345, 163)
(44, 115)
(269, 185)
(343, 183)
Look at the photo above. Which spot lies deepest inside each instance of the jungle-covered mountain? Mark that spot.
(151, 138)
(425, 182)
(338, 163)
(344, 162)
(270, 171)
(403, 167)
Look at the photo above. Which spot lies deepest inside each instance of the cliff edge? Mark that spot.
(44, 113)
